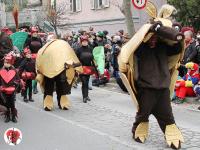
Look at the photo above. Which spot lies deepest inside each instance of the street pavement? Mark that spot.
(102, 124)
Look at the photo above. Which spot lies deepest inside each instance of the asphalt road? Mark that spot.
(102, 124)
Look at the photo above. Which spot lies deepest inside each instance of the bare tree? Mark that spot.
(125, 8)
(57, 15)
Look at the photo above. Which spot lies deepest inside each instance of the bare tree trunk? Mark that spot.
(56, 30)
(55, 27)
(128, 17)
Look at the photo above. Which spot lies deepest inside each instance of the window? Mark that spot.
(75, 5)
(99, 4)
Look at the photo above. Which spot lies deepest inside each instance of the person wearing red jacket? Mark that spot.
(184, 87)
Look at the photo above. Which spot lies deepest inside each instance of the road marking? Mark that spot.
(112, 138)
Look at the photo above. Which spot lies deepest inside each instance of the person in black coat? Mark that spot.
(34, 43)
(116, 47)
(84, 53)
(28, 73)
(190, 54)
(5, 46)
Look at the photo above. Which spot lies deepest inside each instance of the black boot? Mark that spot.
(25, 99)
(88, 99)
(14, 115)
(35, 91)
(22, 93)
(84, 100)
(7, 116)
(14, 119)
(30, 99)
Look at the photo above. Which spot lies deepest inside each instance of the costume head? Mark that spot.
(193, 68)
(166, 34)
(167, 11)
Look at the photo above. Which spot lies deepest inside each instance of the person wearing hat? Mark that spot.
(100, 39)
(84, 53)
(34, 43)
(7, 31)
(10, 84)
(76, 43)
(27, 73)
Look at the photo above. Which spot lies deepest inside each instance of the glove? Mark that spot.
(188, 84)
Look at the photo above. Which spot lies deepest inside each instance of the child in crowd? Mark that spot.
(10, 84)
(185, 86)
(28, 73)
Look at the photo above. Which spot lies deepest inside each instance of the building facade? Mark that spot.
(27, 16)
(2, 15)
(100, 14)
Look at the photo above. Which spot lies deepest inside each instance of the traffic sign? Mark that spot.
(139, 4)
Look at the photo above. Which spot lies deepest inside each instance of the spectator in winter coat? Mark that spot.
(116, 47)
(190, 52)
(184, 87)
